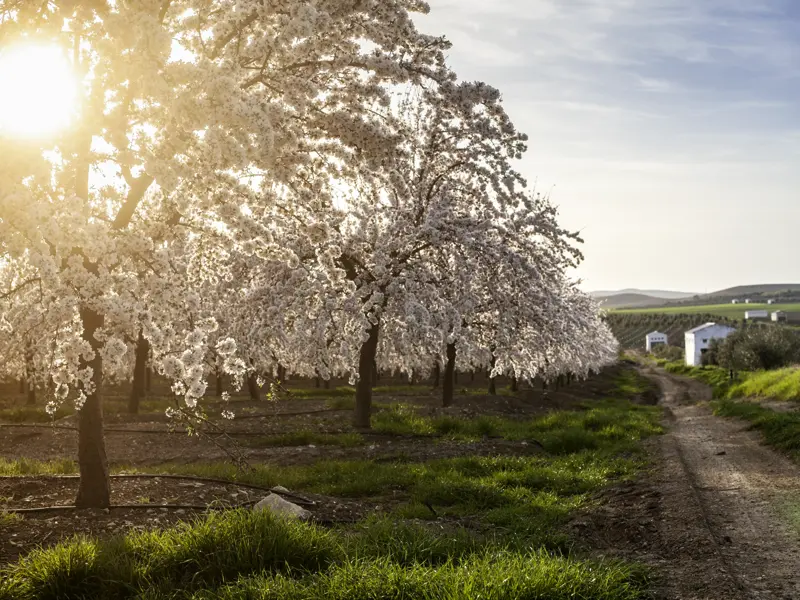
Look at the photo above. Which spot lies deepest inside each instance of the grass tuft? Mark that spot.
(206, 553)
(26, 466)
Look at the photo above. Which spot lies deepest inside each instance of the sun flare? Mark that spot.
(38, 91)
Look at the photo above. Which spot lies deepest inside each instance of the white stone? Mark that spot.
(278, 506)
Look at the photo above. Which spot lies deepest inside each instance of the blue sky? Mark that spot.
(667, 130)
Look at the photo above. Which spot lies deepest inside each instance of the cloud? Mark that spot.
(665, 111)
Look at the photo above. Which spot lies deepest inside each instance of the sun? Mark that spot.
(38, 91)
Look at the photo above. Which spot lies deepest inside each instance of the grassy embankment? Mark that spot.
(744, 399)
(499, 532)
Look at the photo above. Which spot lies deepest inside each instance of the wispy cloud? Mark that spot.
(632, 102)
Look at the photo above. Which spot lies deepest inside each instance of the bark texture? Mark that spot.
(369, 350)
(94, 490)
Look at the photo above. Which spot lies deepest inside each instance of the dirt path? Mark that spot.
(723, 525)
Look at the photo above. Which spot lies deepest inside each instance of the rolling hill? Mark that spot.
(617, 301)
(661, 294)
(754, 290)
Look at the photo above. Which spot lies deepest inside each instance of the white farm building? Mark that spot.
(756, 314)
(699, 339)
(653, 339)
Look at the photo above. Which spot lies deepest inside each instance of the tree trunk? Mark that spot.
(449, 375)
(327, 384)
(22, 386)
(492, 380)
(139, 374)
(31, 394)
(148, 380)
(514, 385)
(364, 386)
(220, 387)
(94, 490)
(472, 376)
(252, 386)
(316, 382)
(437, 374)
(30, 377)
(375, 377)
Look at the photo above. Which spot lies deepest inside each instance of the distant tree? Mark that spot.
(758, 348)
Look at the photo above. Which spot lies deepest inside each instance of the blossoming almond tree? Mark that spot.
(189, 109)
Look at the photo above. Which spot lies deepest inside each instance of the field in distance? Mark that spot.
(730, 311)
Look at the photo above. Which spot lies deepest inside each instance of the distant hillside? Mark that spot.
(662, 294)
(629, 301)
(756, 290)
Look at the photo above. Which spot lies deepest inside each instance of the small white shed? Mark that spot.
(756, 314)
(770, 301)
(748, 301)
(653, 339)
(779, 316)
(734, 301)
(699, 339)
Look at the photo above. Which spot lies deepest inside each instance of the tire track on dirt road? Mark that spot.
(724, 525)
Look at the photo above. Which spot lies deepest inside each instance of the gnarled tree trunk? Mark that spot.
(449, 375)
(139, 374)
(94, 490)
(369, 350)
(514, 384)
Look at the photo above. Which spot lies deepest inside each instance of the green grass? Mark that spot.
(500, 576)
(629, 384)
(780, 430)
(730, 311)
(717, 377)
(315, 393)
(7, 518)
(305, 438)
(245, 555)
(781, 384)
(24, 466)
(514, 545)
(559, 432)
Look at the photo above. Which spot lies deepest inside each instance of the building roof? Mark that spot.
(656, 333)
(706, 326)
